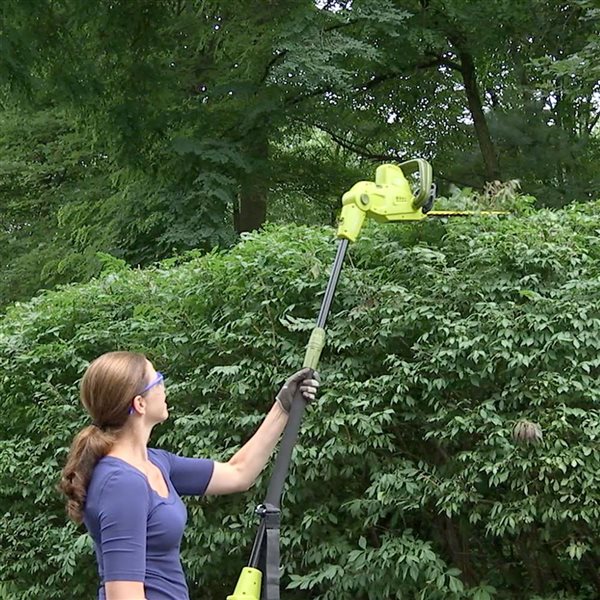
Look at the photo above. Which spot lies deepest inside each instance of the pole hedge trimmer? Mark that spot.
(389, 198)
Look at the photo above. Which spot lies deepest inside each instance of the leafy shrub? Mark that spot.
(406, 482)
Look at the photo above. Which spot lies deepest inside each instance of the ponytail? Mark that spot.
(88, 447)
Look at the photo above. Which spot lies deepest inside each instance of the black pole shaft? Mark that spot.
(292, 428)
(257, 546)
(332, 284)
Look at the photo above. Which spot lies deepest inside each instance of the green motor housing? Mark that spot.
(248, 585)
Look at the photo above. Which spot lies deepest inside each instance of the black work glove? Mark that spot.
(307, 380)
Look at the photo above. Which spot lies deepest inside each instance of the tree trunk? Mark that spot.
(461, 557)
(488, 152)
(251, 212)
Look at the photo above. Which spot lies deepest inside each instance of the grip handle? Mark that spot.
(425, 178)
(315, 346)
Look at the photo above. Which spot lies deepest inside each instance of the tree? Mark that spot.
(200, 113)
(448, 75)
(46, 166)
(63, 200)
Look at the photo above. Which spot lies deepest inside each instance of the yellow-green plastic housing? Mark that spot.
(388, 198)
(248, 585)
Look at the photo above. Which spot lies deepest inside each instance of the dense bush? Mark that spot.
(406, 482)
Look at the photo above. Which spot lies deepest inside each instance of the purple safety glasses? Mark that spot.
(156, 381)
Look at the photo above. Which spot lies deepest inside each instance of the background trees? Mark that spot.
(196, 115)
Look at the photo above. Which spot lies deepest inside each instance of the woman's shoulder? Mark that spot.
(113, 484)
(161, 457)
(112, 472)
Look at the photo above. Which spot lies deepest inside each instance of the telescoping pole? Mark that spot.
(311, 360)
(264, 558)
(388, 198)
(269, 510)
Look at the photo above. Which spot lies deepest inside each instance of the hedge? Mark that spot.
(407, 482)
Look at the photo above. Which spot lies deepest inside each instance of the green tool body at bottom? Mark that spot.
(248, 585)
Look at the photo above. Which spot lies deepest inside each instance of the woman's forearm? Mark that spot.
(253, 456)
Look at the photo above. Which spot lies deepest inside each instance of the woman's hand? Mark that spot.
(307, 380)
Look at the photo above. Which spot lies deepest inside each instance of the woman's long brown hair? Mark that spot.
(107, 389)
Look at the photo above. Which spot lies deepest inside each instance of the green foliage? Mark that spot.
(63, 200)
(406, 482)
(312, 172)
(385, 77)
(496, 196)
(46, 167)
(146, 129)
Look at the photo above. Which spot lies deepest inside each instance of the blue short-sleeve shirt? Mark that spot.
(137, 533)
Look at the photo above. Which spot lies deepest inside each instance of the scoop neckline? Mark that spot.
(166, 479)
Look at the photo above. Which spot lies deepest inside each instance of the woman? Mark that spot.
(128, 495)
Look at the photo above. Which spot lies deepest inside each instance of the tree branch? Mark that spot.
(359, 150)
(452, 65)
(369, 85)
(383, 77)
(593, 122)
(271, 64)
(300, 98)
(376, 80)
(282, 54)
